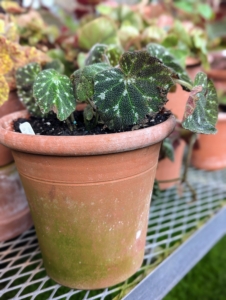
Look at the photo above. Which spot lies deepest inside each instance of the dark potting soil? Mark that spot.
(52, 126)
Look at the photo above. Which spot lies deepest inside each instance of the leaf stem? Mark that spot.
(69, 124)
(73, 121)
(188, 158)
(184, 83)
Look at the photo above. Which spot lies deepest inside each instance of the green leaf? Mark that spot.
(113, 53)
(96, 54)
(153, 34)
(127, 33)
(184, 5)
(55, 64)
(179, 30)
(25, 77)
(82, 81)
(201, 111)
(123, 96)
(167, 149)
(171, 40)
(156, 193)
(88, 113)
(101, 30)
(169, 60)
(54, 91)
(205, 11)
(104, 53)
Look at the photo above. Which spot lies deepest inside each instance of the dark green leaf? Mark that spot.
(96, 54)
(88, 113)
(124, 95)
(169, 60)
(167, 149)
(156, 193)
(55, 64)
(25, 78)
(104, 53)
(202, 106)
(54, 91)
(82, 81)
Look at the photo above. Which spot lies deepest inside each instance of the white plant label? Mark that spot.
(26, 128)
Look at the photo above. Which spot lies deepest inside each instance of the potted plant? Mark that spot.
(89, 186)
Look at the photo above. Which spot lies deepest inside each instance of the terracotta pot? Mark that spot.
(211, 151)
(89, 197)
(15, 215)
(217, 75)
(11, 105)
(168, 169)
(178, 99)
(193, 66)
(177, 102)
(80, 106)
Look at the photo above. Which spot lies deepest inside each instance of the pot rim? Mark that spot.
(81, 145)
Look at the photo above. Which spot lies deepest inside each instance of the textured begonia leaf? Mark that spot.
(167, 149)
(124, 95)
(82, 81)
(101, 30)
(25, 78)
(104, 53)
(202, 106)
(4, 90)
(54, 91)
(169, 60)
(6, 63)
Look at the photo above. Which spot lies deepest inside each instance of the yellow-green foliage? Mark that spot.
(13, 56)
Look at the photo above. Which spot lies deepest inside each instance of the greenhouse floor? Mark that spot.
(181, 231)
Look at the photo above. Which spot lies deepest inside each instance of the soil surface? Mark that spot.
(52, 126)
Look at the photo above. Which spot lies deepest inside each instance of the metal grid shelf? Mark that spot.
(175, 223)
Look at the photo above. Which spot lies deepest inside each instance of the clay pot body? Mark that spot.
(11, 105)
(89, 197)
(168, 169)
(178, 99)
(15, 215)
(211, 151)
(193, 66)
(217, 75)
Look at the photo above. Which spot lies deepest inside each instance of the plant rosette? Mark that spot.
(90, 195)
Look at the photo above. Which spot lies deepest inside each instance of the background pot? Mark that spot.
(168, 169)
(178, 99)
(12, 104)
(217, 73)
(211, 151)
(15, 215)
(89, 197)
